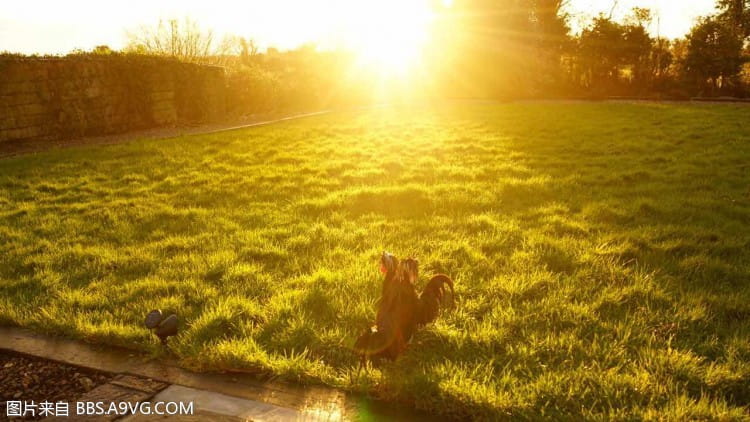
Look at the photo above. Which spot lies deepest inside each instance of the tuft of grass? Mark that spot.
(600, 253)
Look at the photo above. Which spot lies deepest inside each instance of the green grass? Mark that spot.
(601, 252)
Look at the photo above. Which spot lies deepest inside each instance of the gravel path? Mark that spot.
(28, 379)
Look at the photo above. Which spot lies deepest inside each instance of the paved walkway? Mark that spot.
(213, 406)
(223, 397)
(30, 146)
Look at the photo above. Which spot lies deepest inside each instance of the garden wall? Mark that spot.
(82, 96)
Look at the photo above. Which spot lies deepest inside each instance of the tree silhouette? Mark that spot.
(714, 55)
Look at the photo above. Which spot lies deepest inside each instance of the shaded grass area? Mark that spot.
(601, 252)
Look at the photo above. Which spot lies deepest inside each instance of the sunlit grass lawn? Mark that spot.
(601, 252)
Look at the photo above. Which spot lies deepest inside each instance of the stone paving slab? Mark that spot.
(145, 385)
(309, 402)
(116, 361)
(108, 394)
(198, 416)
(216, 406)
(122, 388)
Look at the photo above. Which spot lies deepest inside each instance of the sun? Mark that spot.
(390, 35)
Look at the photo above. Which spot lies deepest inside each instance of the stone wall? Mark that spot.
(84, 96)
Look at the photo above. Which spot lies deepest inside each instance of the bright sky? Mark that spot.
(59, 26)
(672, 18)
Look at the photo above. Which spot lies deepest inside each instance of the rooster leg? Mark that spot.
(361, 365)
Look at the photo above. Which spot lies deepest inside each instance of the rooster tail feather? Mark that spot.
(431, 297)
(436, 286)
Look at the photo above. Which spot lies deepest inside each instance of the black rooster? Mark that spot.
(400, 310)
